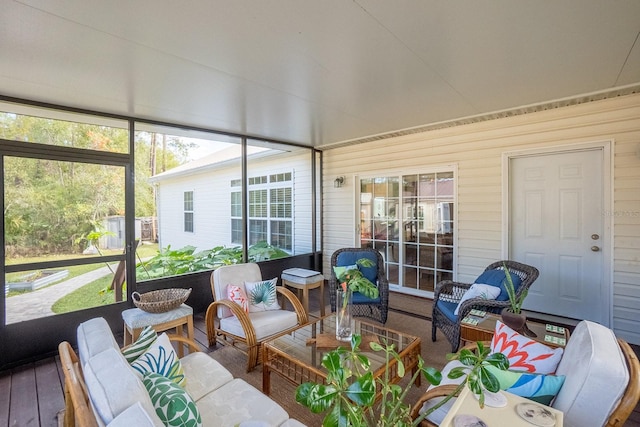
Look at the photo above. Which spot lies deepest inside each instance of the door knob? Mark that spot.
(595, 237)
(595, 248)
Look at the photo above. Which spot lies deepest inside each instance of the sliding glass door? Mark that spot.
(410, 220)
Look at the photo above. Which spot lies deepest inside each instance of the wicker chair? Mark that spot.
(449, 293)
(364, 307)
(227, 321)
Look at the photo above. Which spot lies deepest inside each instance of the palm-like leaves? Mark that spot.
(263, 293)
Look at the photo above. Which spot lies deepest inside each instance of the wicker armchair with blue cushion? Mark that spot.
(452, 301)
(376, 309)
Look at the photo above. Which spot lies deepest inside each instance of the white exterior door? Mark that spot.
(557, 225)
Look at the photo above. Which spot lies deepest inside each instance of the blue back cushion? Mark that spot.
(498, 278)
(350, 258)
(371, 273)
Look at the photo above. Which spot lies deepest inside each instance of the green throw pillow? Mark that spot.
(172, 403)
(537, 387)
(161, 359)
(340, 269)
(144, 341)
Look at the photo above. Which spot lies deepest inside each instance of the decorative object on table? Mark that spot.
(448, 293)
(353, 397)
(536, 414)
(344, 319)
(464, 420)
(493, 400)
(513, 316)
(351, 279)
(363, 305)
(160, 301)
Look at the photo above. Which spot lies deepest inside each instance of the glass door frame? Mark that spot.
(391, 240)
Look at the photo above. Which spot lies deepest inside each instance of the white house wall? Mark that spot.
(476, 151)
(212, 201)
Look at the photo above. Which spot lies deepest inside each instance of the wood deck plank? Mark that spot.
(23, 409)
(5, 397)
(50, 392)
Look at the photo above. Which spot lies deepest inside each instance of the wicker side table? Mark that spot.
(135, 320)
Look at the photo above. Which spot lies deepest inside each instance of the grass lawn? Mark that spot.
(90, 295)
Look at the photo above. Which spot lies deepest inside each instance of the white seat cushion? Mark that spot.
(113, 386)
(265, 323)
(136, 415)
(203, 374)
(596, 376)
(94, 336)
(237, 401)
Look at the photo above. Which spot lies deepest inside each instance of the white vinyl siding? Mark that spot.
(476, 151)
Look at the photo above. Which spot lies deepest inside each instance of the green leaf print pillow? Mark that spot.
(161, 359)
(262, 295)
(172, 403)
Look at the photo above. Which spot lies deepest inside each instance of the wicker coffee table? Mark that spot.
(297, 357)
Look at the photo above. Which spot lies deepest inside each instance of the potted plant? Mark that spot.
(512, 316)
(353, 397)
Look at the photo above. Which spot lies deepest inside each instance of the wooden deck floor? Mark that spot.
(32, 395)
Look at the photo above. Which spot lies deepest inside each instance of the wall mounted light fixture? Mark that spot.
(338, 182)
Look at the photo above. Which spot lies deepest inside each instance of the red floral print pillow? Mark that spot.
(524, 354)
(237, 294)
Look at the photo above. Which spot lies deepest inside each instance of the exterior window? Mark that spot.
(270, 211)
(257, 231)
(236, 217)
(188, 211)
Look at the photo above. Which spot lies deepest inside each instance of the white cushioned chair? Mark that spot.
(228, 321)
(601, 386)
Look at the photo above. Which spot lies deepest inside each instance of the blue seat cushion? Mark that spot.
(350, 258)
(498, 278)
(358, 298)
(448, 308)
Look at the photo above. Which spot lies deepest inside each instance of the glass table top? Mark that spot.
(302, 345)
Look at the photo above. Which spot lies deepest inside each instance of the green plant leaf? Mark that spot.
(457, 372)
(489, 381)
(499, 360)
(375, 346)
(363, 390)
(400, 367)
(365, 262)
(433, 375)
(317, 397)
(467, 357)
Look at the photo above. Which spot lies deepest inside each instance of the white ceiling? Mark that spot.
(314, 72)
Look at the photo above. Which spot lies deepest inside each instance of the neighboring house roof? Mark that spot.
(217, 160)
